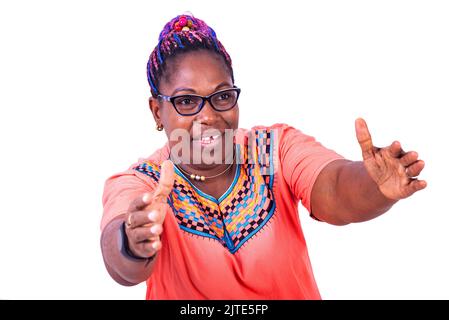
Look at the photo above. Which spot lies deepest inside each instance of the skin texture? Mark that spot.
(344, 192)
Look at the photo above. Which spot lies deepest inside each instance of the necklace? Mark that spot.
(203, 178)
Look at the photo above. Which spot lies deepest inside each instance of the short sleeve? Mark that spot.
(122, 188)
(119, 191)
(302, 158)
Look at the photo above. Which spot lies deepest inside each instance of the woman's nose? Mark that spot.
(207, 114)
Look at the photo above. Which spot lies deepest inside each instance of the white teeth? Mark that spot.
(209, 139)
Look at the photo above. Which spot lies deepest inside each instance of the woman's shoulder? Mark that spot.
(275, 126)
(145, 169)
(277, 130)
(157, 157)
(148, 168)
(279, 127)
(279, 136)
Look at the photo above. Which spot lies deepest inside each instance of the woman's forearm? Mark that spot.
(352, 191)
(345, 193)
(124, 270)
(358, 196)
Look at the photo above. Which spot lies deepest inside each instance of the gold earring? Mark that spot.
(159, 127)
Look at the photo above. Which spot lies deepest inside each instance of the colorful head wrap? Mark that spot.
(182, 34)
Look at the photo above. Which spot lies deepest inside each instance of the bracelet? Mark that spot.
(126, 251)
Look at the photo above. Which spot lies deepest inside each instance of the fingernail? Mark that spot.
(155, 245)
(146, 198)
(152, 215)
(155, 229)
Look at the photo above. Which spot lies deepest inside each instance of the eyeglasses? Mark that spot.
(191, 104)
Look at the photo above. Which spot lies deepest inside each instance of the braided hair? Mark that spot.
(182, 34)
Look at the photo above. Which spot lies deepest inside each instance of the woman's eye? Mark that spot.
(224, 96)
(186, 101)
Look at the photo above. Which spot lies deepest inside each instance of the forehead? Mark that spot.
(200, 70)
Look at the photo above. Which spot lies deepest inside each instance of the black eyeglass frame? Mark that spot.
(203, 102)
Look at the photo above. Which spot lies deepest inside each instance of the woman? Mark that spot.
(222, 222)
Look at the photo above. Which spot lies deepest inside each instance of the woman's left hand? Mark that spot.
(393, 170)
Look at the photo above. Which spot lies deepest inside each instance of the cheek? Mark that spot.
(171, 119)
(233, 117)
(178, 132)
(174, 121)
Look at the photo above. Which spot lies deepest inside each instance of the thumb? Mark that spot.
(166, 181)
(364, 138)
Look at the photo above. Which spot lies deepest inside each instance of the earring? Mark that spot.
(159, 127)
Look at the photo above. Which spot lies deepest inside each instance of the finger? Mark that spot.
(140, 202)
(409, 158)
(146, 233)
(148, 248)
(165, 184)
(415, 186)
(395, 149)
(155, 245)
(364, 138)
(157, 215)
(415, 169)
(140, 218)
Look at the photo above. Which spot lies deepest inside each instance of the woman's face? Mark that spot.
(202, 73)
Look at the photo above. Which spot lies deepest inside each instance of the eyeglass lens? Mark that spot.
(221, 101)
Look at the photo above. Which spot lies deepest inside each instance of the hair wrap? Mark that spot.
(183, 33)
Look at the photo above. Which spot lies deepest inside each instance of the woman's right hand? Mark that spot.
(146, 215)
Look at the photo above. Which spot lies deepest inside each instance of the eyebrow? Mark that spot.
(223, 84)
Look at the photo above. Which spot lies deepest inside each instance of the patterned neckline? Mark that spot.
(204, 194)
(241, 212)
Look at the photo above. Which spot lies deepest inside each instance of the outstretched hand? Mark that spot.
(146, 215)
(394, 171)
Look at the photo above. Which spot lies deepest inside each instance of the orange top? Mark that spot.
(248, 244)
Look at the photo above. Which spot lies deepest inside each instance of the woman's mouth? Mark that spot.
(208, 141)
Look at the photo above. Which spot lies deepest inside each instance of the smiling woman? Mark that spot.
(220, 220)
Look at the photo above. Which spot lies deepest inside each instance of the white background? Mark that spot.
(73, 111)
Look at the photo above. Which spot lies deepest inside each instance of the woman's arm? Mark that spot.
(129, 249)
(122, 268)
(344, 193)
(348, 191)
